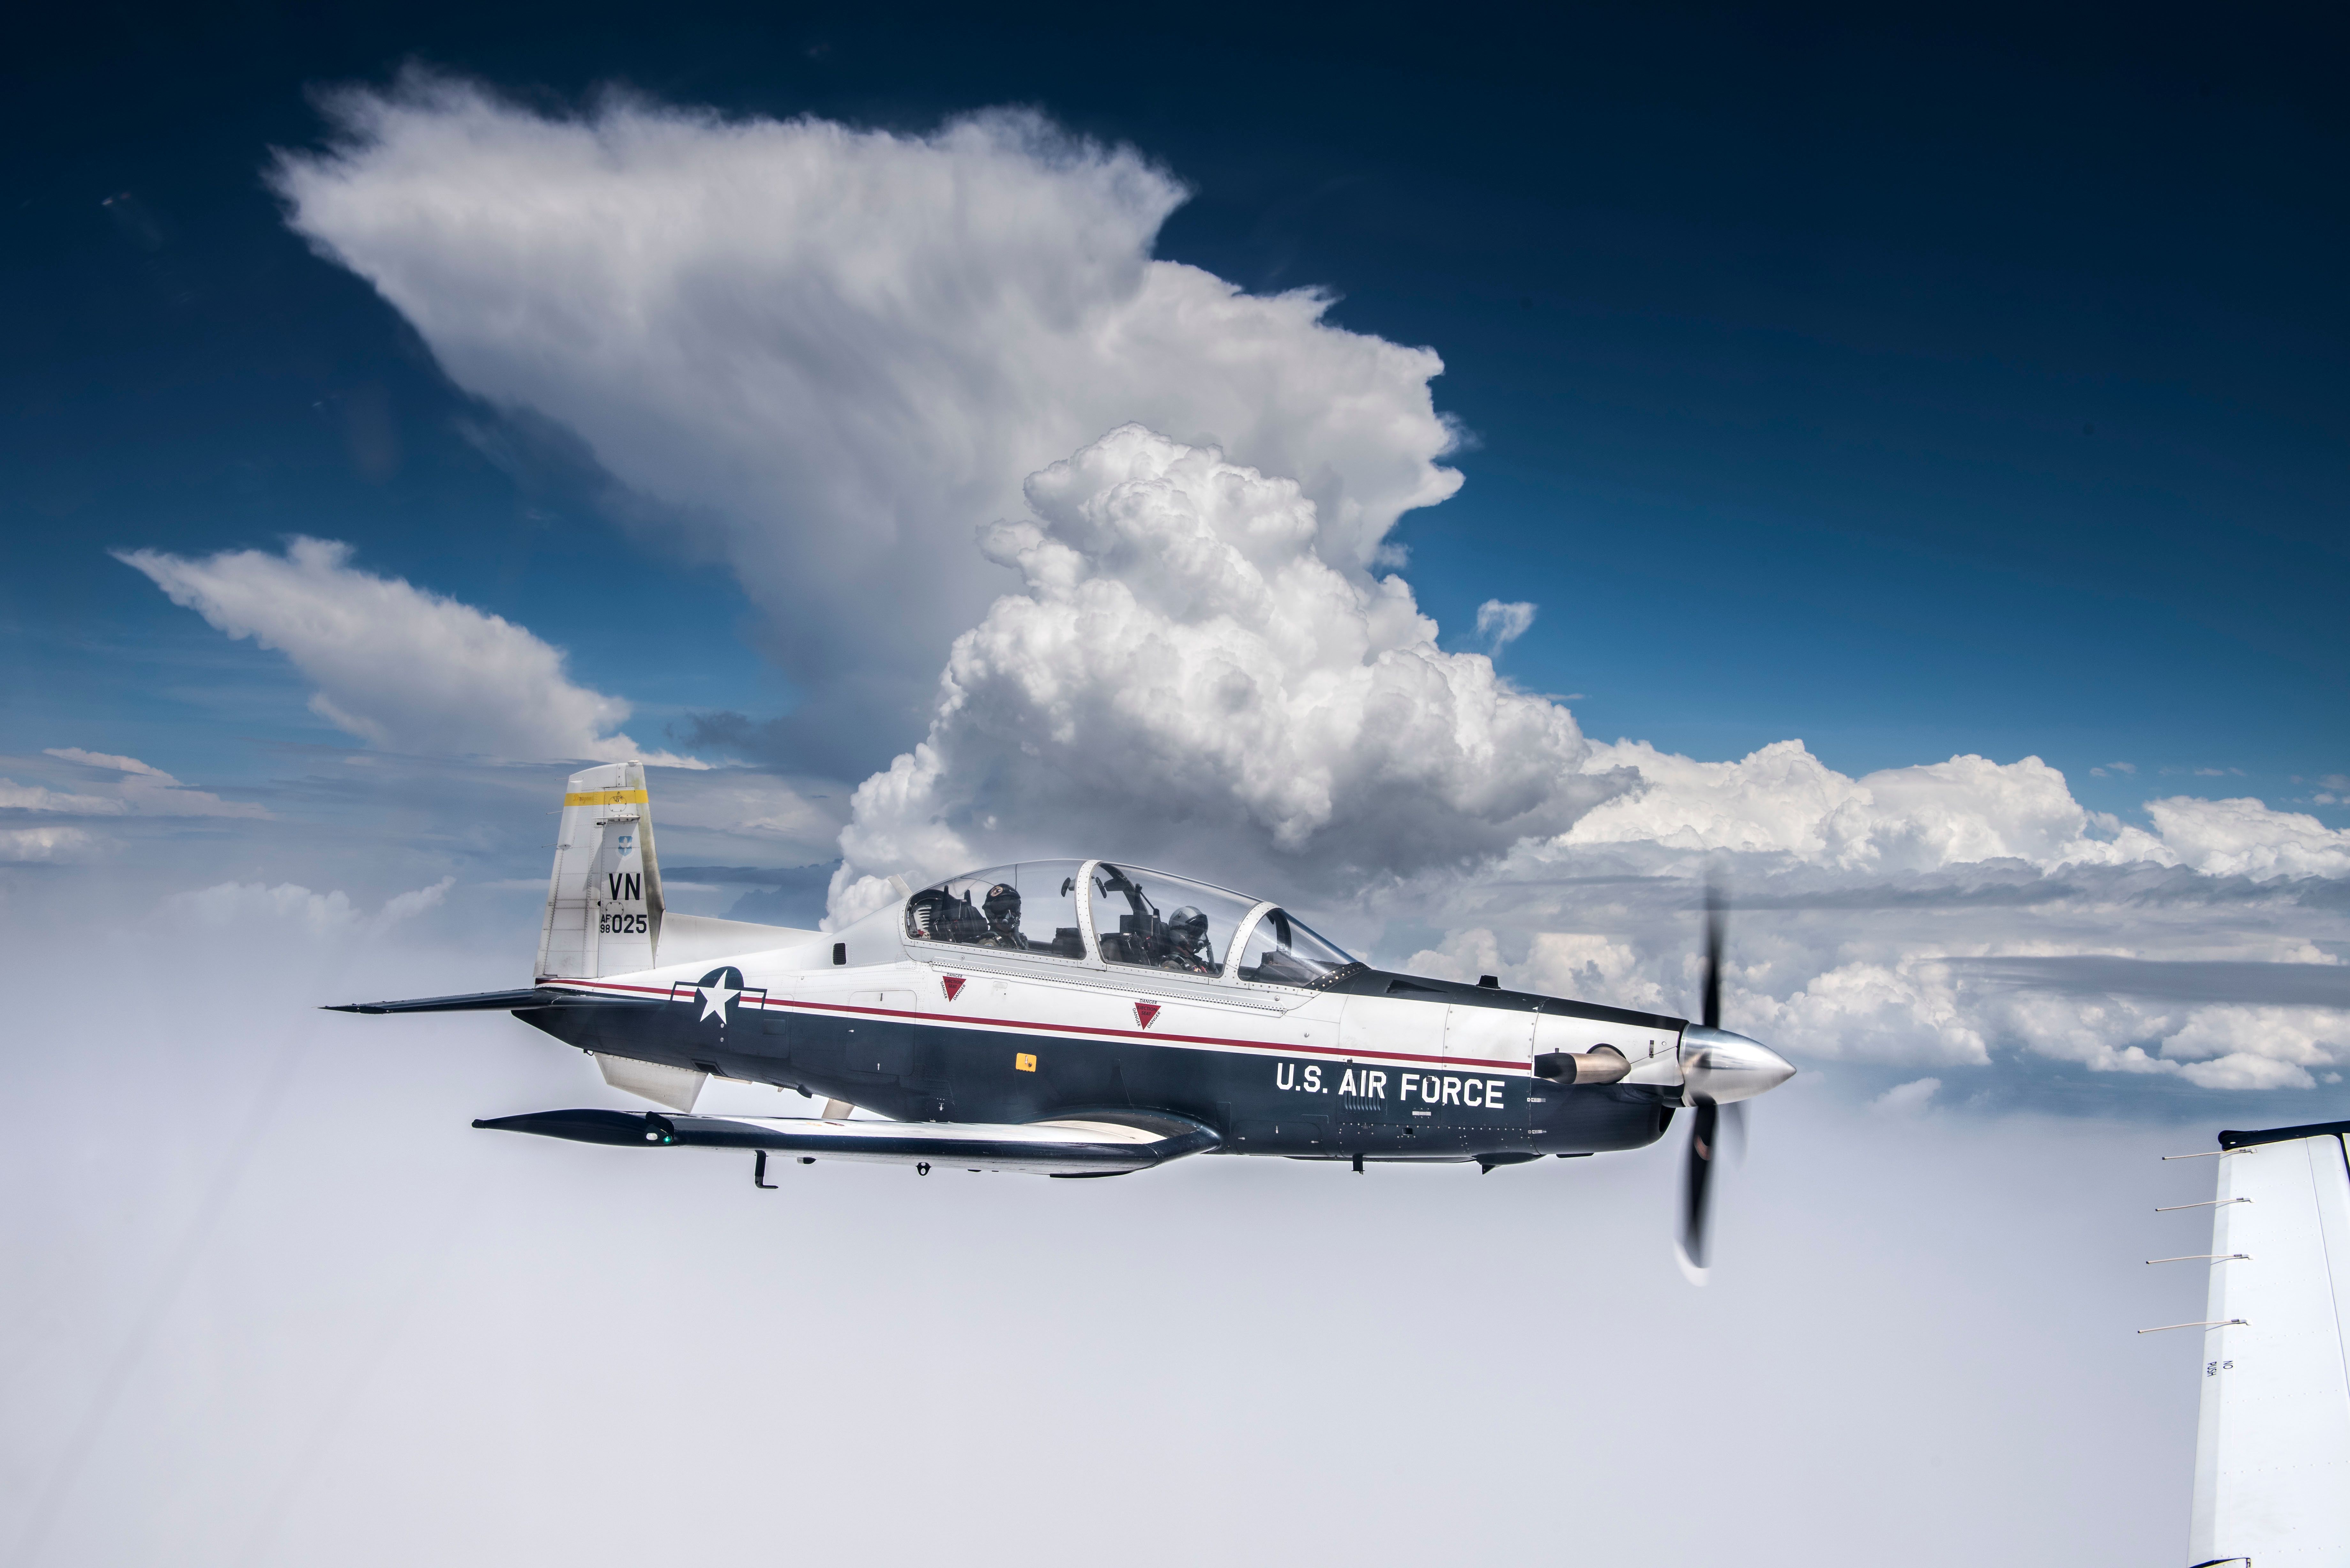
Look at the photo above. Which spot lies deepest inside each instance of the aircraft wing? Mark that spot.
(1044, 1148)
(473, 1002)
(2272, 1444)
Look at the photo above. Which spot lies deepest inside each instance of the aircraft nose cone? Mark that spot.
(1720, 1066)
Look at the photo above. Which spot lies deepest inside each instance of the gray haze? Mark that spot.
(273, 1302)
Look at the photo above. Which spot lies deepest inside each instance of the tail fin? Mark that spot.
(604, 901)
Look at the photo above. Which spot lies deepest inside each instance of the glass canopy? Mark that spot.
(1153, 920)
(1141, 919)
(1027, 907)
(1284, 950)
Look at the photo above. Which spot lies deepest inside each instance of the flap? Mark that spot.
(676, 1088)
(1050, 1149)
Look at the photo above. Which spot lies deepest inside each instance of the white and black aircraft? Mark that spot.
(1081, 1018)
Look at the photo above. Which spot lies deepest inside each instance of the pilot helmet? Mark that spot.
(924, 914)
(1001, 907)
(1188, 927)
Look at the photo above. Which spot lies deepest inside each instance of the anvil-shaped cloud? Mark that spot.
(827, 354)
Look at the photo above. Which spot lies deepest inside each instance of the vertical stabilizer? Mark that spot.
(604, 900)
(2272, 1448)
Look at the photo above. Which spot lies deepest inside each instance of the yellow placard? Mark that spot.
(1024, 1062)
(608, 797)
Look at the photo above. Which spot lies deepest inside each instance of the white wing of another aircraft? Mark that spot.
(2272, 1444)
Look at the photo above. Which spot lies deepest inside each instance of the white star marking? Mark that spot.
(715, 999)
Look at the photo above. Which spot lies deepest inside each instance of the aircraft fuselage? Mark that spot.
(1383, 1065)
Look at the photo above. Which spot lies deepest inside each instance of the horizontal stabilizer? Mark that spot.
(474, 1002)
(1047, 1148)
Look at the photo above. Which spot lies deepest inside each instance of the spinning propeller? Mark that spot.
(1719, 1071)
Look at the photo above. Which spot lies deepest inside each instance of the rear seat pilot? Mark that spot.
(1001, 908)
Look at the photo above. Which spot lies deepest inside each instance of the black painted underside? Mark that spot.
(927, 1072)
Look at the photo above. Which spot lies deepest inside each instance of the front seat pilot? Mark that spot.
(1001, 908)
(1187, 941)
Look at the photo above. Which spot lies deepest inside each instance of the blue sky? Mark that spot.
(1780, 345)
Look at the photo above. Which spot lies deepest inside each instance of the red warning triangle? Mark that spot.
(954, 983)
(1144, 1012)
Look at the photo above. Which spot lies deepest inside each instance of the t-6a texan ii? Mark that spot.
(1081, 1018)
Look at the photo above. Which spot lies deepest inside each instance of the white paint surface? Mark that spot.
(2272, 1446)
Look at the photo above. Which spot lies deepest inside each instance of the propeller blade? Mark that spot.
(1697, 1189)
(1733, 1130)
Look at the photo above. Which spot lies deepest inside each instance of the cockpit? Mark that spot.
(1091, 911)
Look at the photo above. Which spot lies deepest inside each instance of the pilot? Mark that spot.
(1001, 908)
(1187, 941)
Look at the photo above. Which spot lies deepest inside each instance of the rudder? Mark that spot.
(603, 898)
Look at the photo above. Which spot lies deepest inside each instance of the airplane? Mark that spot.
(1082, 1018)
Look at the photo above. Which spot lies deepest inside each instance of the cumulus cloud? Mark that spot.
(399, 666)
(40, 797)
(1904, 1012)
(105, 760)
(1503, 624)
(292, 906)
(830, 353)
(1185, 672)
(1958, 970)
(2245, 838)
(1185, 682)
(2258, 1047)
(140, 791)
(1783, 800)
(1907, 1099)
(22, 845)
(1556, 963)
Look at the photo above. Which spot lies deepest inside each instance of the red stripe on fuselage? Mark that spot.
(1153, 1037)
